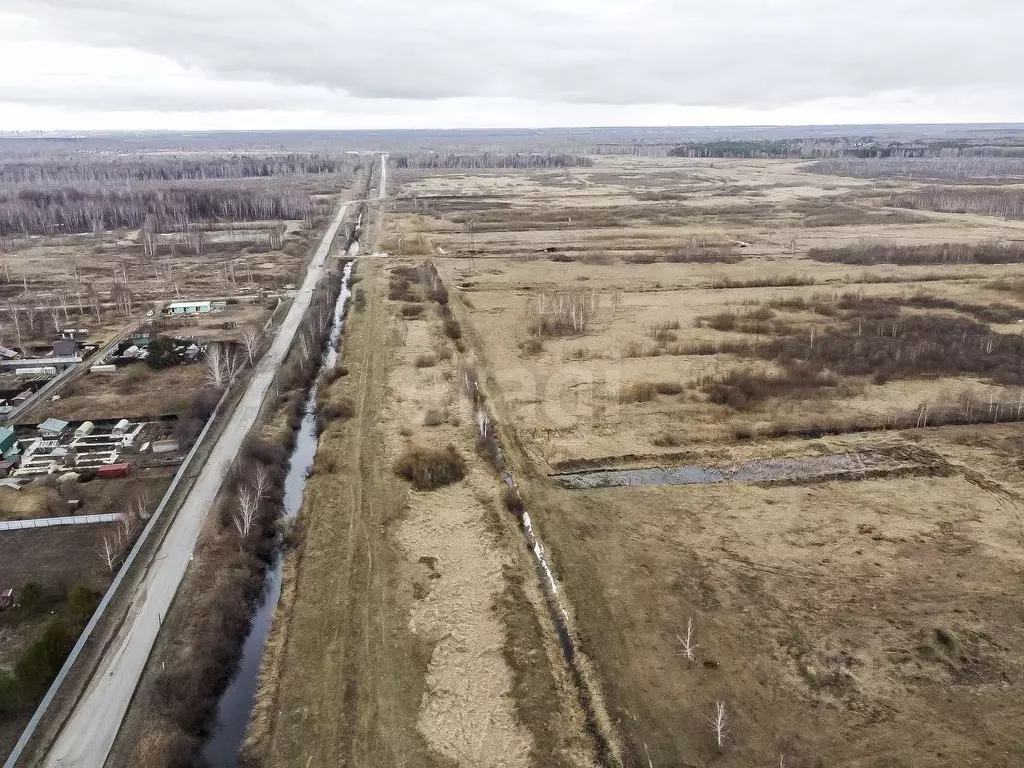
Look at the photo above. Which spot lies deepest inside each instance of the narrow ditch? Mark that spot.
(235, 705)
(598, 722)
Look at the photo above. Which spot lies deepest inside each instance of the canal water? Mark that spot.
(789, 469)
(236, 703)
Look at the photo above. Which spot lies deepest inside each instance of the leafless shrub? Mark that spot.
(434, 418)
(425, 361)
(531, 347)
(512, 501)
(743, 389)
(642, 258)
(697, 251)
(453, 331)
(638, 392)
(870, 254)
(1007, 202)
(667, 440)
(770, 281)
(429, 468)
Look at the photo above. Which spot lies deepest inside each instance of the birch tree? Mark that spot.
(719, 725)
(261, 483)
(108, 553)
(252, 343)
(246, 512)
(686, 644)
(221, 365)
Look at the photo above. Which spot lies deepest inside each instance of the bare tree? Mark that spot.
(305, 347)
(140, 506)
(108, 553)
(221, 365)
(718, 724)
(122, 296)
(261, 482)
(63, 298)
(129, 521)
(245, 515)
(94, 301)
(252, 342)
(686, 644)
(17, 323)
(215, 365)
(147, 236)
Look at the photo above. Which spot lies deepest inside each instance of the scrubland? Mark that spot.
(657, 312)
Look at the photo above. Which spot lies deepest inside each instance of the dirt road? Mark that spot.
(88, 734)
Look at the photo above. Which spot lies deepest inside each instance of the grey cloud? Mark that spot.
(729, 53)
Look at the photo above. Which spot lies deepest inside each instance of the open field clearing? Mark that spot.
(822, 376)
(705, 313)
(134, 390)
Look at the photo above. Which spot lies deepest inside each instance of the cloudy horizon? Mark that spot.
(225, 64)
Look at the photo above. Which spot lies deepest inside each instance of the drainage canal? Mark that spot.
(235, 704)
(834, 466)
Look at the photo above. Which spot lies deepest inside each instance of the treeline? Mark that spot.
(842, 149)
(951, 168)
(1007, 202)
(455, 161)
(69, 210)
(65, 171)
(920, 255)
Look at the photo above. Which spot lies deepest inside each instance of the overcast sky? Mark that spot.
(191, 64)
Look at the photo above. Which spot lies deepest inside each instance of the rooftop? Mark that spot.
(53, 425)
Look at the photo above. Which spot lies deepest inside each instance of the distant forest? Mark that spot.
(962, 168)
(59, 170)
(849, 147)
(449, 160)
(64, 194)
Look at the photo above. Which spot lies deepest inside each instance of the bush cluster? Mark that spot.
(429, 468)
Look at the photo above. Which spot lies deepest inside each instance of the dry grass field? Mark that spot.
(653, 312)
